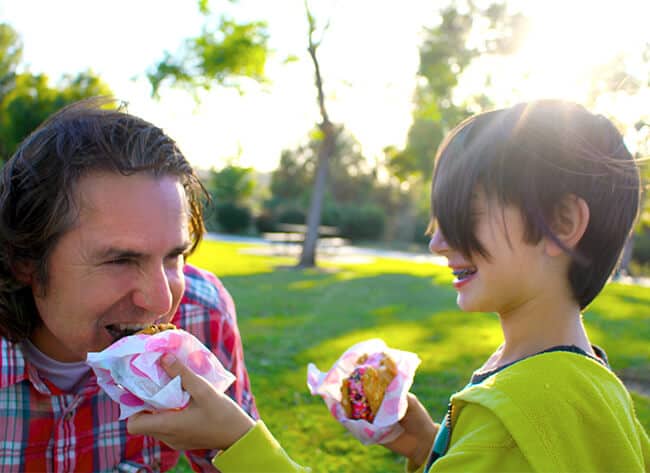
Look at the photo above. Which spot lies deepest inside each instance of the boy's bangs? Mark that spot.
(455, 179)
(472, 157)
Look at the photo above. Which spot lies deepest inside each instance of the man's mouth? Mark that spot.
(118, 331)
(464, 273)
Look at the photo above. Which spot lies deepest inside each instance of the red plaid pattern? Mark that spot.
(45, 430)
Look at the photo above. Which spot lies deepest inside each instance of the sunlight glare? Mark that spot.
(568, 40)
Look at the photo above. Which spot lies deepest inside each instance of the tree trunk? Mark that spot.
(308, 256)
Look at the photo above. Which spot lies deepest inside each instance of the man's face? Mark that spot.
(119, 268)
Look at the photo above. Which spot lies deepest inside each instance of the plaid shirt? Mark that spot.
(43, 429)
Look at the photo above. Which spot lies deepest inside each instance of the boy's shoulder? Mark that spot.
(547, 377)
(559, 407)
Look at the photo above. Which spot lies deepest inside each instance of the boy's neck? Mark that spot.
(541, 324)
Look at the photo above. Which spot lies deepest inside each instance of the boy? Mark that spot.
(531, 207)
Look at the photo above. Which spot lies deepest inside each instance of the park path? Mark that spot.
(351, 253)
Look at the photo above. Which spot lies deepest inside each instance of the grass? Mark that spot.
(289, 318)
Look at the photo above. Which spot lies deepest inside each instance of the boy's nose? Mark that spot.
(438, 244)
(154, 294)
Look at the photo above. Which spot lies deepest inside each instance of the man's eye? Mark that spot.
(119, 261)
(173, 259)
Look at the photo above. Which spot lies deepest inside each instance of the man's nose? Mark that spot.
(438, 244)
(153, 293)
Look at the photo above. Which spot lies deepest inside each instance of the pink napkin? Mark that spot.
(385, 426)
(129, 371)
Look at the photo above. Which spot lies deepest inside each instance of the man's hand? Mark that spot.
(419, 433)
(211, 420)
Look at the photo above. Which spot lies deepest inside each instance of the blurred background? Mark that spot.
(234, 83)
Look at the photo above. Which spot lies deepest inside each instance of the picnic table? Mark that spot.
(289, 236)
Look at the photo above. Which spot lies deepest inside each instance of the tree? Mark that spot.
(11, 51)
(325, 150)
(231, 184)
(444, 56)
(223, 54)
(26, 99)
(229, 189)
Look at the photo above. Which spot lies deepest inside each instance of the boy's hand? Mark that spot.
(419, 433)
(211, 419)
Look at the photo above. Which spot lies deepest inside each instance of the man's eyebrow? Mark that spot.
(181, 249)
(113, 252)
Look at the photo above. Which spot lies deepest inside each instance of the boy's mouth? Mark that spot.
(464, 273)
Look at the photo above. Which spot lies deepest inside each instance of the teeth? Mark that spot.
(118, 331)
(130, 326)
(463, 273)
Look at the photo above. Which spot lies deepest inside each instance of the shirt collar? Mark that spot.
(15, 368)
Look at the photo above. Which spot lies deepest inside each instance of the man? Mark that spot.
(98, 211)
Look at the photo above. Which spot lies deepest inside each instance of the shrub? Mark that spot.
(641, 250)
(233, 218)
(291, 215)
(265, 222)
(362, 223)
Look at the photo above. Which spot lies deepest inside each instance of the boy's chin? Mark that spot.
(466, 304)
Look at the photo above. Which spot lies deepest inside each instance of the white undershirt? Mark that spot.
(65, 376)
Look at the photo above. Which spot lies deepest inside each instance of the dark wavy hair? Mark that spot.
(533, 155)
(38, 183)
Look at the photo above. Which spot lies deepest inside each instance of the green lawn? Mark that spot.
(289, 318)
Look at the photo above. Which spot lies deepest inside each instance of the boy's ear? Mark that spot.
(570, 220)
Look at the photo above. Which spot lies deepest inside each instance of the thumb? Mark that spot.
(194, 384)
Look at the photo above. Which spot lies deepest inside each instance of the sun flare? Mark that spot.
(569, 41)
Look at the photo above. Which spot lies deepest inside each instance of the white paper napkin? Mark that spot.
(129, 371)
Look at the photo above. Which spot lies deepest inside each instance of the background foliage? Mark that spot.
(27, 99)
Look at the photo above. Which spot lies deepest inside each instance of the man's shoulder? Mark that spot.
(201, 285)
(12, 363)
(205, 291)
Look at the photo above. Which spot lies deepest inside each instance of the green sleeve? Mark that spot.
(480, 443)
(257, 451)
(645, 444)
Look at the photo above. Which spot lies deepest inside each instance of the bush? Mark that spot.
(292, 215)
(265, 222)
(362, 223)
(233, 218)
(331, 215)
(641, 250)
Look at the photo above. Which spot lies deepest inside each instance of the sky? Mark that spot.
(369, 59)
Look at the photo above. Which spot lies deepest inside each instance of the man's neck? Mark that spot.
(65, 376)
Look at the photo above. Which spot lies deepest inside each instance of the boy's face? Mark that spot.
(119, 267)
(513, 274)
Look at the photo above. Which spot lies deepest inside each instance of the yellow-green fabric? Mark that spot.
(553, 412)
(257, 451)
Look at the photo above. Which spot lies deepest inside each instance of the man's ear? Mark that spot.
(570, 220)
(24, 272)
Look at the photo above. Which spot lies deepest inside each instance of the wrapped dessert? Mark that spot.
(130, 373)
(363, 391)
(366, 389)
